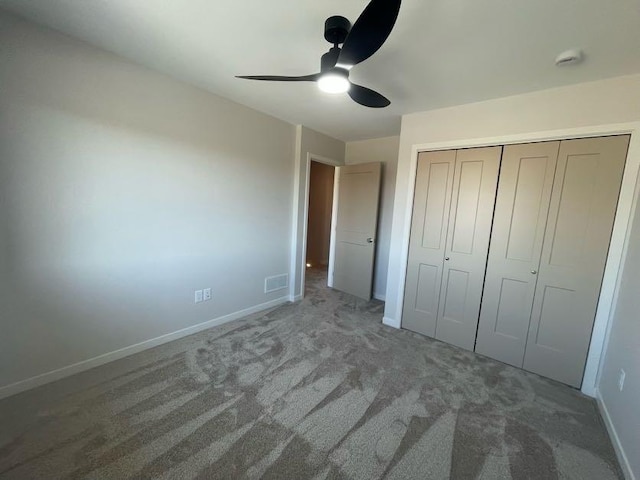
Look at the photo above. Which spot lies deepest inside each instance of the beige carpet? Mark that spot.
(314, 390)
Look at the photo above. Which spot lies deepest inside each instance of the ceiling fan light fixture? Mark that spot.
(334, 82)
(359, 41)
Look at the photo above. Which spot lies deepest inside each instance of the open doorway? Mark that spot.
(321, 186)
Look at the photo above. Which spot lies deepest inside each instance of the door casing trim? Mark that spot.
(305, 218)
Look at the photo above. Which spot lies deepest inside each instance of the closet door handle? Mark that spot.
(533, 272)
(446, 258)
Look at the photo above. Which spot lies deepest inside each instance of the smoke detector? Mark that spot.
(569, 57)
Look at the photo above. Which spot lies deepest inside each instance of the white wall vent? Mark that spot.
(277, 282)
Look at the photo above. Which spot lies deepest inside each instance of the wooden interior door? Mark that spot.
(467, 246)
(522, 206)
(583, 205)
(427, 244)
(356, 225)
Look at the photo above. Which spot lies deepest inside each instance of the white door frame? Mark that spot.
(305, 219)
(627, 202)
(334, 217)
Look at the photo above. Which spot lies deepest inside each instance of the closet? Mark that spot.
(544, 256)
(453, 207)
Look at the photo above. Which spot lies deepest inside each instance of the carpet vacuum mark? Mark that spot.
(314, 390)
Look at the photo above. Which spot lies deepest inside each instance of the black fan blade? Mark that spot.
(275, 78)
(367, 97)
(369, 32)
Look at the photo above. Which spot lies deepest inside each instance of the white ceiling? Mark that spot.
(441, 52)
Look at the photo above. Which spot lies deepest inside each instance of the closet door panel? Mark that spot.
(469, 230)
(522, 205)
(432, 200)
(576, 243)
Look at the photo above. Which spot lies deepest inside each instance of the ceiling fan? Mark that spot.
(359, 42)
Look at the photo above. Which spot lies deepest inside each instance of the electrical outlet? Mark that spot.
(198, 296)
(621, 379)
(207, 294)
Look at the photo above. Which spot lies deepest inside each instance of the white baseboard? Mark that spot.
(53, 375)
(295, 298)
(589, 390)
(380, 296)
(615, 440)
(390, 322)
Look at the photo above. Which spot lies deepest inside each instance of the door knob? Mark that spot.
(534, 272)
(446, 258)
(369, 240)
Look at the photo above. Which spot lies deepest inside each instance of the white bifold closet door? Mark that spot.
(522, 207)
(554, 215)
(583, 206)
(451, 225)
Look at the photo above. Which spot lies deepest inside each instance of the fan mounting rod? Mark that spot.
(336, 29)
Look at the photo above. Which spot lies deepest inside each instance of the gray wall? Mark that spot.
(623, 352)
(122, 191)
(384, 150)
